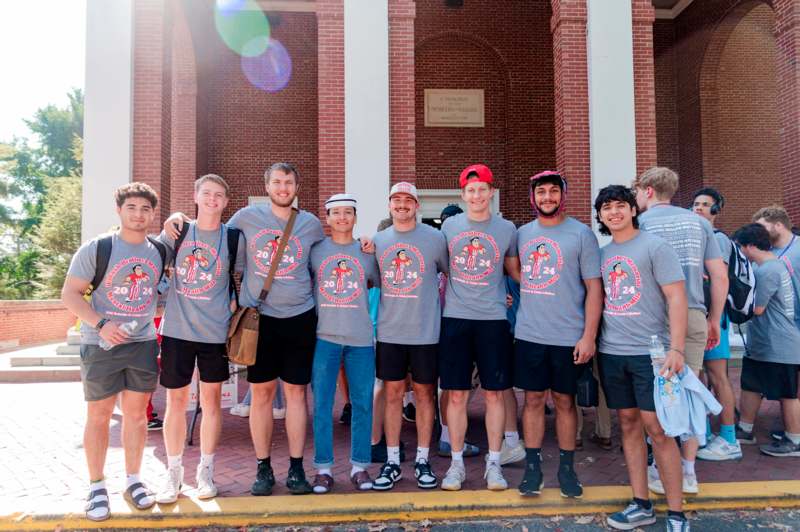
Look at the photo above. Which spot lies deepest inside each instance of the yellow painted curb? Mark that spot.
(392, 506)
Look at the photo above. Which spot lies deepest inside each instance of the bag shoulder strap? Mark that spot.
(287, 233)
(180, 239)
(233, 250)
(103, 256)
(162, 251)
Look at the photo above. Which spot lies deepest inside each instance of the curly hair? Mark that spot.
(614, 193)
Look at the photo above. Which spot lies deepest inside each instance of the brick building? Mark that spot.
(600, 89)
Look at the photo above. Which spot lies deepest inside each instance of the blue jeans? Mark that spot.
(359, 366)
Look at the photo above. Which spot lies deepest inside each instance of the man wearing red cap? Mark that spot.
(561, 273)
(474, 326)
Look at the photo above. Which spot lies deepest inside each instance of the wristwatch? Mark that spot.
(101, 323)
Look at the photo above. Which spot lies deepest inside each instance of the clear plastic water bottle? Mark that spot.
(127, 328)
(657, 353)
(668, 389)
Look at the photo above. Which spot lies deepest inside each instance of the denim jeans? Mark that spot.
(359, 366)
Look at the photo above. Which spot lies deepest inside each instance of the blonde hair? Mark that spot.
(661, 179)
(774, 214)
(214, 178)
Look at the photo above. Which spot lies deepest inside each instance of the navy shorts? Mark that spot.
(482, 343)
(627, 381)
(539, 367)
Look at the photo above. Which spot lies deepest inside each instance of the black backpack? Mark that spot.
(741, 286)
(104, 256)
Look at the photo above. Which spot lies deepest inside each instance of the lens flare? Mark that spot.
(242, 26)
(270, 71)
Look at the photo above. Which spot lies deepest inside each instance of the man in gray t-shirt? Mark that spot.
(785, 245)
(644, 291)
(410, 257)
(120, 317)
(771, 366)
(475, 330)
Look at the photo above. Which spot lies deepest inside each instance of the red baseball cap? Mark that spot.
(481, 170)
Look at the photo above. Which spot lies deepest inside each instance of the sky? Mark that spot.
(42, 56)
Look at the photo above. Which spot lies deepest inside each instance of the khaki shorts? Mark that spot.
(696, 337)
(125, 367)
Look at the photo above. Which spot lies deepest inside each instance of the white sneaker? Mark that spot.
(205, 482)
(454, 477)
(494, 477)
(278, 413)
(172, 486)
(719, 450)
(654, 480)
(510, 455)
(241, 410)
(690, 485)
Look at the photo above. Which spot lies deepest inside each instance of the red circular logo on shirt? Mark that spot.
(265, 247)
(199, 269)
(542, 262)
(340, 279)
(474, 255)
(402, 268)
(623, 283)
(130, 285)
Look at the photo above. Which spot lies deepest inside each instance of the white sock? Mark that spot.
(174, 461)
(393, 455)
(355, 469)
(457, 456)
(324, 471)
(794, 438)
(512, 438)
(747, 427)
(97, 484)
(688, 467)
(422, 454)
(494, 456)
(408, 397)
(207, 460)
(445, 437)
(131, 479)
(98, 512)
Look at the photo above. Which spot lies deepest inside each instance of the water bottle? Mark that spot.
(668, 389)
(127, 328)
(657, 353)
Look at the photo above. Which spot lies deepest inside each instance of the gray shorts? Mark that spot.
(125, 367)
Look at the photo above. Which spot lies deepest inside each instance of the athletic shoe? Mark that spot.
(603, 443)
(278, 413)
(426, 478)
(155, 424)
(446, 451)
(378, 454)
(297, 483)
(494, 477)
(265, 481)
(690, 485)
(676, 524)
(172, 486)
(745, 438)
(387, 477)
(569, 483)
(205, 482)
(347, 414)
(510, 455)
(719, 450)
(410, 413)
(455, 476)
(241, 410)
(782, 448)
(632, 517)
(777, 434)
(532, 482)
(654, 480)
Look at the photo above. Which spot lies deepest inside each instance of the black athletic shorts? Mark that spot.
(482, 343)
(285, 349)
(178, 359)
(393, 362)
(627, 381)
(772, 380)
(539, 367)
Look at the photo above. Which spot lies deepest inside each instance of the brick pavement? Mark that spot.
(42, 425)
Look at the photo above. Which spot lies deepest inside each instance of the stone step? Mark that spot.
(44, 360)
(40, 374)
(69, 349)
(73, 336)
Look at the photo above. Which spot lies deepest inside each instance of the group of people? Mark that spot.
(580, 307)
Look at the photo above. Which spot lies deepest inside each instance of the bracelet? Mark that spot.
(101, 323)
(677, 350)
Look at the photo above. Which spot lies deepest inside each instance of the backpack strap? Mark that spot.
(181, 238)
(233, 250)
(162, 251)
(103, 256)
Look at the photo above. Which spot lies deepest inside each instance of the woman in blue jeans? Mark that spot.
(342, 272)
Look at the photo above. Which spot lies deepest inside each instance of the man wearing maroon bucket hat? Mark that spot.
(474, 326)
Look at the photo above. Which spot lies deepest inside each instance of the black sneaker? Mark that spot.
(569, 483)
(389, 474)
(296, 482)
(532, 482)
(155, 424)
(378, 452)
(265, 481)
(347, 414)
(746, 438)
(410, 413)
(426, 478)
(777, 434)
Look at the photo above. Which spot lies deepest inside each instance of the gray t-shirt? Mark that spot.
(290, 294)
(341, 273)
(635, 308)
(555, 260)
(476, 287)
(409, 264)
(692, 238)
(790, 255)
(773, 336)
(128, 290)
(725, 245)
(198, 301)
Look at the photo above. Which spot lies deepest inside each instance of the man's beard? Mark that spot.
(279, 202)
(548, 214)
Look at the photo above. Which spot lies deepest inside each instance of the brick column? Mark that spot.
(643, 16)
(330, 98)
(787, 40)
(568, 26)
(402, 131)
